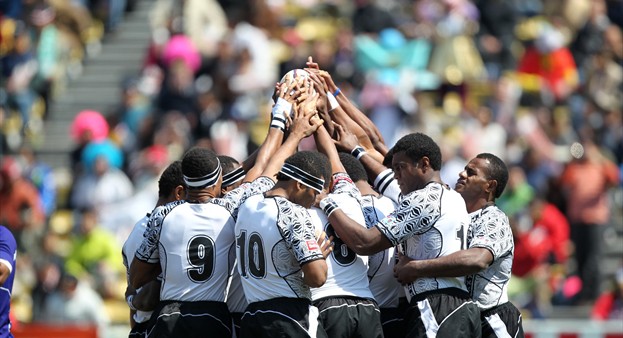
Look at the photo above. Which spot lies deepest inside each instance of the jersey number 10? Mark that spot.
(251, 255)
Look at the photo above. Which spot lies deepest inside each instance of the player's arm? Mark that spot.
(145, 265)
(287, 96)
(304, 123)
(142, 272)
(315, 273)
(360, 239)
(8, 248)
(347, 114)
(148, 296)
(324, 144)
(348, 142)
(5, 271)
(457, 264)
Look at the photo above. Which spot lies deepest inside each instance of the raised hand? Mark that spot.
(345, 140)
(401, 273)
(325, 244)
(305, 120)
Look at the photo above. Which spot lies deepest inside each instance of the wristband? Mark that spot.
(358, 152)
(328, 206)
(278, 122)
(337, 92)
(332, 101)
(282, 108)
(129, 300)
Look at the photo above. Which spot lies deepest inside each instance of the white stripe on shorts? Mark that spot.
(428, 318)
(498, 326)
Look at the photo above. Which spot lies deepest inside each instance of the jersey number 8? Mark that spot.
(342, 254)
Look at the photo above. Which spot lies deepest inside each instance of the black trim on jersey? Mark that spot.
(169, 207)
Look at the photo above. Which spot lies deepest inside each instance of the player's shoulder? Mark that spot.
(7, 236)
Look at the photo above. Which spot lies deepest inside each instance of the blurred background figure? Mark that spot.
(588, 210)
(609, 305)
(75, 303)
(94, 256)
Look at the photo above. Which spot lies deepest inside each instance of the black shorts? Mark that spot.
(392, 319)
(140, 329)
(502, 321)
(350, 317)
(443, 313)
(191, 319)
(281, 317)
(236, 318)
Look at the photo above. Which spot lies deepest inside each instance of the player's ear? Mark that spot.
(492, 185)
(180, 192)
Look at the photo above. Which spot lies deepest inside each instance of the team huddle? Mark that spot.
(350, 240)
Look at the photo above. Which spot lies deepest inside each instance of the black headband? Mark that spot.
(204, 181)
(233, 177)
(302, 176)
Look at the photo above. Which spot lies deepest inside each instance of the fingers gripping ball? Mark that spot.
(294, 75)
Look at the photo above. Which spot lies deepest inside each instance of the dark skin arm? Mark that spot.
(325, 145)
(303, 125)
(315, 272)
(275, 136)
(360, 239)
(457, 264)
(142, 273)
(357, 116)
(148, 297)
(346, 141)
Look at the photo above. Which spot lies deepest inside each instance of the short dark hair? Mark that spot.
(228, 163)
(171, 177)
(387, 160)
(198, 162)
(418, 145)
(312, 162)
(353, 167)
(496, 170)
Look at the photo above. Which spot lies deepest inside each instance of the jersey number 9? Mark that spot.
(201, 257)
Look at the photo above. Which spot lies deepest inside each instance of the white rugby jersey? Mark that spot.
(274, 237)
(236, 302)
(491, 230)
(346, 274)
(192, 243)
(430, 222)
(383, 284)
(128, 250)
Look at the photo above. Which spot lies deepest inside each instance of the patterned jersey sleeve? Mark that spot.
(148, 250)
(343, 184)
(299, 233)
(386, 185)
(234, 199)
(415, 214)
(492, 231)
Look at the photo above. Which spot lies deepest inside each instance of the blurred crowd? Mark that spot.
(536, 82)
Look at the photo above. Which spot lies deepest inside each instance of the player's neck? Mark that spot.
(365, 188)
(280, 190)
(199, 196)
(478, 204)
